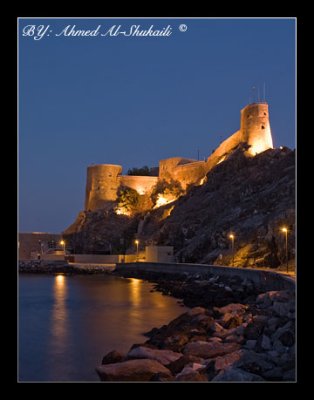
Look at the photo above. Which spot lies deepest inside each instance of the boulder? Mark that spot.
(273, 354)
(250, 344)
(288, 327)
(274, 295)
(278, 346)
(209, 349)
(255, 363)
(205, 322)
(233, 307)
(177, 366)
(176, 342)
(272, 323)
(215, 339)
(287, 338)
(112, 357)
(218, 331)
(132, 370)
(234, 338)
(236, 375)
(196, 311)
(265, 343)
(281, 309)
(223, 362)
(254, 329)
(264, 299)
(164, 357)
(190, 375)
(231, 319)
(281, 295)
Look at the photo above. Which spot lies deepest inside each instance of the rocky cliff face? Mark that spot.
(252, 197)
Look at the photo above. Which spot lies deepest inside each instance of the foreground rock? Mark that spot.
(210, 349)
(235, 342)
(133, 370)
(164, 357)
(236, 375)
(112, 357)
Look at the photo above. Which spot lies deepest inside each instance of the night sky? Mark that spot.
(135, 100)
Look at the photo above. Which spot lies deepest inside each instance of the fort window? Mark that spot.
(263, 127)
(265, 113)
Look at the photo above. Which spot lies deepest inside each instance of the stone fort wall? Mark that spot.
(104, 180)
(255, 127)
(186, 173)
(142, 184)
(101, 185)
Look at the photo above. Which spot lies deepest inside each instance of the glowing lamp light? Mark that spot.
(62, 242)
(231, 236)
(137, 243)
(284, 229)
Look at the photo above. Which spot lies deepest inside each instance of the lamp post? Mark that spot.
(285, 231)
(62, 242)
(137, 243)
(231, 237)
(41, 246)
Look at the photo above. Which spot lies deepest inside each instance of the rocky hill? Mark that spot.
(252, 197)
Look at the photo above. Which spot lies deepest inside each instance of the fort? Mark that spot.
(104, 180)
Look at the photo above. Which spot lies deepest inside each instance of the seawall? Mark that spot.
(267, 280)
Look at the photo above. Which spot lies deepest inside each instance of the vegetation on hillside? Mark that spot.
(143, 171)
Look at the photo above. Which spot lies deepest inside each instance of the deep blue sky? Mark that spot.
(133, 101)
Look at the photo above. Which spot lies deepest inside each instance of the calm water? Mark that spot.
(67, 323)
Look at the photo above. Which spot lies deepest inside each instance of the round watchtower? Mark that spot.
(102, 183)
(255, 127)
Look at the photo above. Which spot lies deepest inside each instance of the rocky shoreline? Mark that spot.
(56, 267)
(234, 332)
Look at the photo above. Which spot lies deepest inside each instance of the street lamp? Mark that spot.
(231, 236)
(285, 231)
(41, 246)
(137, 243)
(62, 242)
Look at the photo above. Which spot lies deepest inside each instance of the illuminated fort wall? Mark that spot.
(104, 180)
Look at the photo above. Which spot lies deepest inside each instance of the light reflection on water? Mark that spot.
(67, 323)
(135, 291)
(59, 315)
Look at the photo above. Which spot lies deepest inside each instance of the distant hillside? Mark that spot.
(249, 196)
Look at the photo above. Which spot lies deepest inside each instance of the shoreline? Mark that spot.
(61, 267)
(234, 331)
